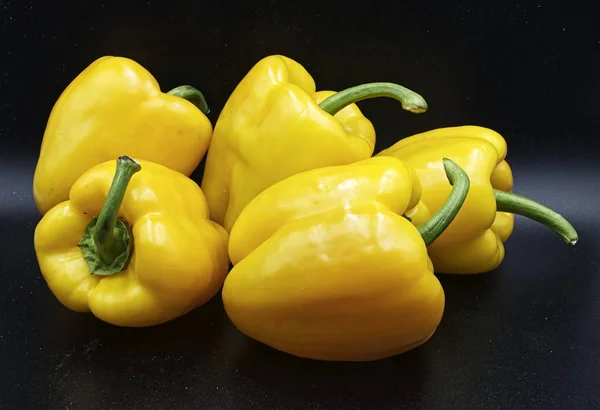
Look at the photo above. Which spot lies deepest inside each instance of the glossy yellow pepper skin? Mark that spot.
(327, 268)
(272, 127)
(115, 107)
(179, 258)
(474, 241)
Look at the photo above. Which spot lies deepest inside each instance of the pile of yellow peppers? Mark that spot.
(319, 248)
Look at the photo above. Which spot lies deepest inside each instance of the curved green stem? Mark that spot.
(106, 243)
(411, 101)
(516, 204)
(192, 95)
(437, 224)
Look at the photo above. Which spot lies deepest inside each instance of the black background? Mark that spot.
(524, 336)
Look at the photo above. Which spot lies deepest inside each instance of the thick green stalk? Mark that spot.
(192, 95)
(107, 240)
(437, 224)
(516, 204)
(411, 101)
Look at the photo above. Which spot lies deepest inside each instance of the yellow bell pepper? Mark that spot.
(137, 251)
(115, 107)
(326, 267)
(474, 241)
(275, 125)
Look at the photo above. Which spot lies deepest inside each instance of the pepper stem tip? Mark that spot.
(107, 241)
(520, 205)
(437, 224)
(193, 95)
(410, 100)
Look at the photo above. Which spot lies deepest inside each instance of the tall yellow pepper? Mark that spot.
(326, 267)
(115, 107)
(473, 243)
(275, 125)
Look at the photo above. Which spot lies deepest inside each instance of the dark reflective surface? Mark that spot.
(524, 336)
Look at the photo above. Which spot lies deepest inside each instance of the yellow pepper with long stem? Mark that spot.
(474, 241)
(326, 267)
(133, 245)
(115, 107)
(275, 125)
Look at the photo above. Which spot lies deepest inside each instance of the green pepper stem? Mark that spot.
(516, 204)
(107, 220)
(437, 224)
(411, 101)
(192, 95)
(106, 244)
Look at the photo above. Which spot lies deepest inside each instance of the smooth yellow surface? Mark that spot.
(271, 128)
(115, 107)
(327, 268)
(473, 243)
(179, 259)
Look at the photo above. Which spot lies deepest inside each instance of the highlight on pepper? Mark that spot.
(276, 124)
(133, 245)
(333, 271)
(473, 243)
(333, 249)
(116, 107)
